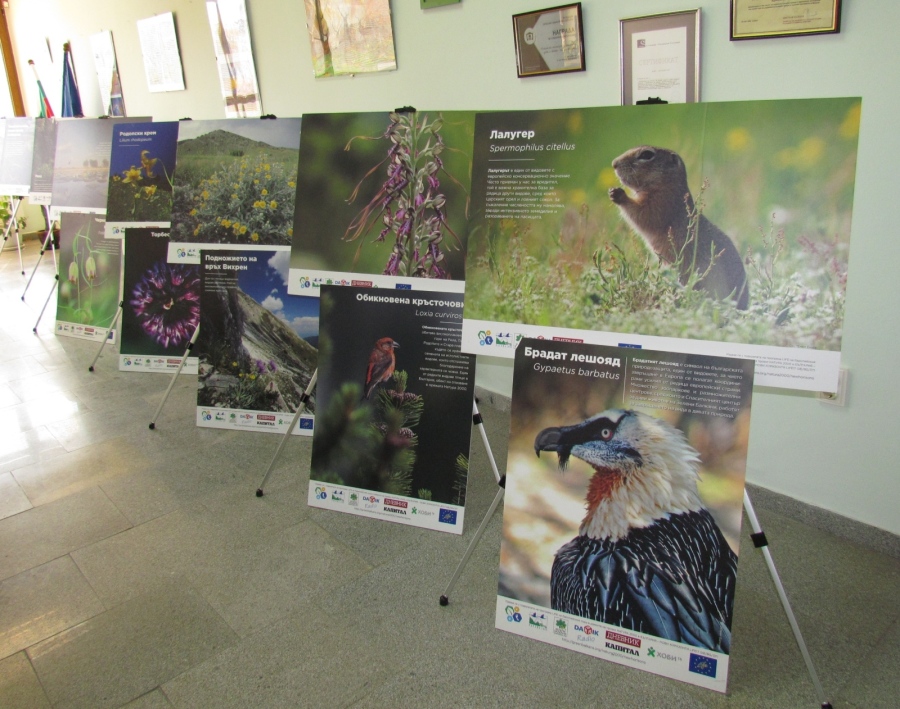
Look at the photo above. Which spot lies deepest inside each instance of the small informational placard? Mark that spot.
(234, 58)
(257, 348)
(41, 189)
(141, 170)
(89, 278)
(620, 536)
(162, 60)
(394, 397)
(17, 155)
(160, 305)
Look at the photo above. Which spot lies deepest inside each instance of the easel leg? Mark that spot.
(48, 239)
(761, 543)
(445, 597)
(111, 327)
(479, 424)
(46, 302)
(175, 376)
(10, 224)
(304, 400)
(478, 421)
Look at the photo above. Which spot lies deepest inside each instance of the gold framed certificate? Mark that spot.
(758, 19)
(660, 58)
(549, 41)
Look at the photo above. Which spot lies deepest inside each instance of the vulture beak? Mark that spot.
(549, 440)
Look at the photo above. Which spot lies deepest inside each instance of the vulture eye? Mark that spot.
(646, 155)
(606, 434)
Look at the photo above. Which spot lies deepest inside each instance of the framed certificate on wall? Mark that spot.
(790, 18)
(660, 58)
(549, 41)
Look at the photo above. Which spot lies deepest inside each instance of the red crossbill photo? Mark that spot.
(381, 364)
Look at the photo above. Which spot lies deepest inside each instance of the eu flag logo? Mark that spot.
(447, 516)
(306, 423)
(702, 665)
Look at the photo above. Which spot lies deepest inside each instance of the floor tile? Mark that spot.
(8, 397)
(19, 685)
(21, 448)
(876, 682)
(131, 649)
(41, 534)
(305, 660)
(43, 601)
(86, 467)
(258, 585)
(152, 700)
(41, 411)
(12, 498)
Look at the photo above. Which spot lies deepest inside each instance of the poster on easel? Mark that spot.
(81, 164)
(16, 158)
(717, 228)
(41, 188)
(622, 512)
(394, 399)
(141, 172)
(89, 278)
(258, 345)
(235, 183)
(160, 305)
(382, 201)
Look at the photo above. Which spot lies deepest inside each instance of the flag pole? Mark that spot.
(46, 109)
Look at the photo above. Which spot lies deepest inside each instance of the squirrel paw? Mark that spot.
(617, 195)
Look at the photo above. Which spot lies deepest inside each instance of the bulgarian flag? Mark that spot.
(46, 110)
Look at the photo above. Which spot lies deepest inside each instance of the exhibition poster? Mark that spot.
(235, 182)
(159, 48)
(257, 347)
(716, 228)
(41, 187)
(104, 52)
(15, 162)
(160, 305)
(89, 278)
(350, 36)
(394, 397)
(382, 201)
(81, 164)
(141, 170)
(622, 513)
(234, 58)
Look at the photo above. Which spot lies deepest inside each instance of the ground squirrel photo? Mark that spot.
(661, 211)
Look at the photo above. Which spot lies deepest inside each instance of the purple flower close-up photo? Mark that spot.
(166, 301)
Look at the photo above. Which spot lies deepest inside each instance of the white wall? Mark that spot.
(461, 57)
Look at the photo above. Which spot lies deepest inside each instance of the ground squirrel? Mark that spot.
(659, 213)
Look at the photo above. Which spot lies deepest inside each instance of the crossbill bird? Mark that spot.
(381, 364)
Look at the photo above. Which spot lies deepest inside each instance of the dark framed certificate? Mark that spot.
(549, 41)
(751, 19)
(660, 58)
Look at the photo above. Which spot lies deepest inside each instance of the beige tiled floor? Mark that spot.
(138, 568)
